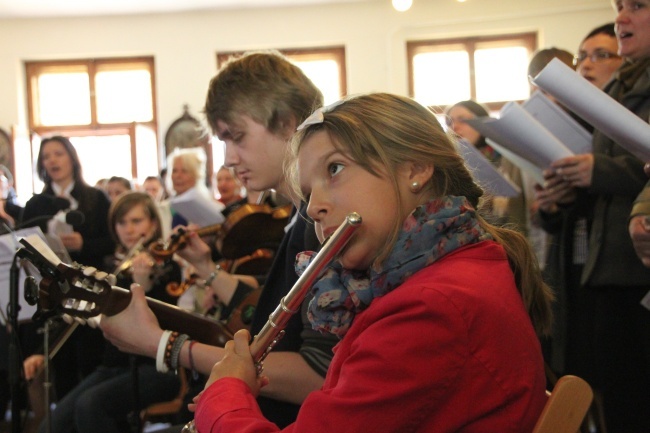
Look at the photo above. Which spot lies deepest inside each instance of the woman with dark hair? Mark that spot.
(58, 166)
(88, 242)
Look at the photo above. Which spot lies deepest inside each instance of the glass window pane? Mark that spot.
(123, 96)
(441, 78)
(146, 152)
(325, 75)
(63, 99)
(501, 74)
(104, 156)
(218, 152)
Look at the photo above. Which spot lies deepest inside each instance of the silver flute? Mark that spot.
(291, 303)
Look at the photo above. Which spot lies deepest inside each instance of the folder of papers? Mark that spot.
(596, 107)
(487, 175)
(534, 134)
(198, 207)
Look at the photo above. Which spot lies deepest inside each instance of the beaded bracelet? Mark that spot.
(213, 275)
(168, 350)
(176, 350)
(160, 354)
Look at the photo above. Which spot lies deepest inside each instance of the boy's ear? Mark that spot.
(288, 127)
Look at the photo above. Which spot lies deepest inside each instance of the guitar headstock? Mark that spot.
(75, 290)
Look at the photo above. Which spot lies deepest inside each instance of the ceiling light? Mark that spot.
(402, 5)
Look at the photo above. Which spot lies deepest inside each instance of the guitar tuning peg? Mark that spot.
(89, 271)
(93, 322)
(109, 278)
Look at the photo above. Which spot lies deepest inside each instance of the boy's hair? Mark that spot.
(381, 132)
(263, 85)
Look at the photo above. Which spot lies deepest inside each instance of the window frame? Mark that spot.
(469, 43)
(34, 68)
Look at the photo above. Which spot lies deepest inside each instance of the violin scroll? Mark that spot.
(161, 250)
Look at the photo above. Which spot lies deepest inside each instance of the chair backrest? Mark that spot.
(566, 407)
(170, 407)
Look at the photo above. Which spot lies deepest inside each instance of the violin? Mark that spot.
(247, 228)
(256, 263)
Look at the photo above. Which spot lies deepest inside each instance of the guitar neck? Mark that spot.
(198, 327)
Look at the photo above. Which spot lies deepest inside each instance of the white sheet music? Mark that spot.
(488, 176)
(559, 123)
(198, 208)
(596, 107)
(522, 139)
(8, 247)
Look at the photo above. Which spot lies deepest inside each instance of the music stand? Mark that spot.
(12, 274)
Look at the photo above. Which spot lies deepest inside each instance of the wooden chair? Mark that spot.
(167, 408)
(566, 406)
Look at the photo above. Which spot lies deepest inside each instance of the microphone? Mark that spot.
(58, 203)
(72, 217)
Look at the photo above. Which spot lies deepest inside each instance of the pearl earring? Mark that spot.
(415, 187)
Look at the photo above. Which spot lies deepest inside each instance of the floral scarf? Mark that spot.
(432, 230)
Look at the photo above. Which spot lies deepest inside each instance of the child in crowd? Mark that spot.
(438, 311)
(254, 104)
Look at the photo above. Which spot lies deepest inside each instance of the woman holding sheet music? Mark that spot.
(571, 350)
(605, 184)
(500, 210)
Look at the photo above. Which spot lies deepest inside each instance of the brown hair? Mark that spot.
(264, 85)
(384, 130)
(123, 204)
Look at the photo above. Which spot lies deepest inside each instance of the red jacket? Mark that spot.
(450, 350)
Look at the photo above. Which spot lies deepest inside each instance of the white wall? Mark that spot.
(184, 45)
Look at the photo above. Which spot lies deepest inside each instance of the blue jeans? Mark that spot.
(102, 401)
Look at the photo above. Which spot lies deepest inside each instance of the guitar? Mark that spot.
(82, 292)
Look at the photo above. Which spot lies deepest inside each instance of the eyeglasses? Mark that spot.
(451, 120)
(595, 57)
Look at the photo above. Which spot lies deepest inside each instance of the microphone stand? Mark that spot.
(15, 363)
(47, 385)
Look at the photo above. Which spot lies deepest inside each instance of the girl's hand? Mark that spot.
(238, 363)
(192, 406)
(142, 268)
(577, 170)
